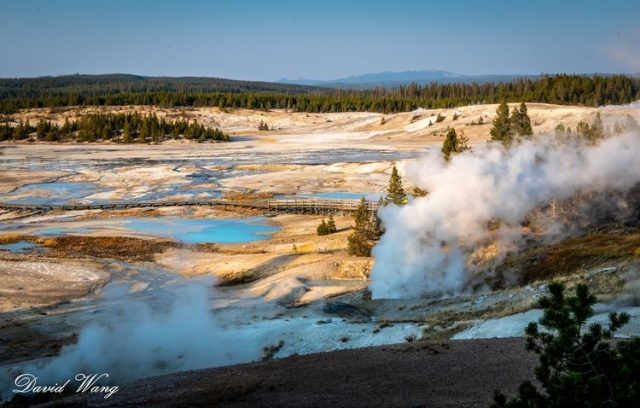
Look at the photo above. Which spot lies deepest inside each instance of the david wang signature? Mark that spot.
(87, 383)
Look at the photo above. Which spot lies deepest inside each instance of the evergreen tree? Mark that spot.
(454, 143)
(520, 123)
(66, 127)
(331, 225)
(361, 240)
(579, 365)
(597, 129)
(449, 144)
(323, 229)
(328, 227)
(501, 131)
(7, 132)
(263, 126)
(42, 128)
(582, 129)
(395, 192)
(52, 135)
(143, 131)
(126, 132)
(525, 121)
(591, 133)
(104, 133)
(462, 143)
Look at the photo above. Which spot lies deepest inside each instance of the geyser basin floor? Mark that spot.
(57, 192)
(152, 322)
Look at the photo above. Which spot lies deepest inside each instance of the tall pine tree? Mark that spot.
(501, 131)
(520, 122)
(449, 144)
(395, 192)
(364, 231)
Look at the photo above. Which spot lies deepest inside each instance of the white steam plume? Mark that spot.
(426, 243)
(135, 341)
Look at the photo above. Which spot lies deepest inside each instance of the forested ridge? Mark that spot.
(86, 90)
(117, 127)
(108, 84)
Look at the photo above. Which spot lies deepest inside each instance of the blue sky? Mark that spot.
(267, 40)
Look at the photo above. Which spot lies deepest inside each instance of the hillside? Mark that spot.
(107, 84)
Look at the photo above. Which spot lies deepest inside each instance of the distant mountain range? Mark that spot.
(392, 79)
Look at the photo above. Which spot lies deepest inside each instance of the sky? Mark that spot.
(321, 39)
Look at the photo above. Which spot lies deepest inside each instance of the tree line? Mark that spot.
(108, 84)
(558, 89)
(120, 127)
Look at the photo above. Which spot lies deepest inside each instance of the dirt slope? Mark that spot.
(420, 374)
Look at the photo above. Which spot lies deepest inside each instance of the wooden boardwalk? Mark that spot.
(301, 206)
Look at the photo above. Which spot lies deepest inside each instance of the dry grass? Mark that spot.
(121, 248)
(12, 238)
(243, 196)
(573, 255)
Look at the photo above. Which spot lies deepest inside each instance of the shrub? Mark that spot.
(269, 352)
(327, 227)
(263, 126)
(322, 229)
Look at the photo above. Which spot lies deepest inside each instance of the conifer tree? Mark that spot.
(501, 131)
(66, 127)
(579, 364)
(597, 128)
(361, 240)
(126, 132)
(525, 128)
(6, 132)
(591, 133)
(449, 144)
(331, 225)
(395, 192)
(462, 143)
(520, 123)
(454, 143)
(322, 228)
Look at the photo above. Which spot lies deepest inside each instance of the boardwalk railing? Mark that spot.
(304, 206)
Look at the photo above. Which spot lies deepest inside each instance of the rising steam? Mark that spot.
(427, 245)
(133, 340)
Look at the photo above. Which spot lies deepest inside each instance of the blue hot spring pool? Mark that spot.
(207, 230)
